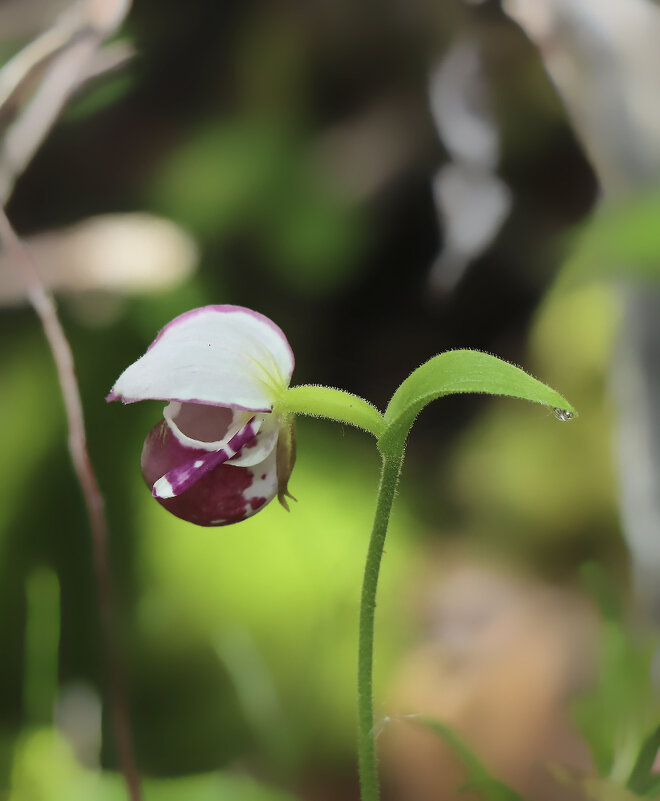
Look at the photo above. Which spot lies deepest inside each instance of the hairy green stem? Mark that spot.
(367, 764)
(333, 404)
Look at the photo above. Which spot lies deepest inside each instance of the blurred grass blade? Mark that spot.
(464, 371)
(592, 788)
(37, 82)
(602, 589)
(478, 777)
(240, 656)
(642, 779)
(615, 716)
(42, 637)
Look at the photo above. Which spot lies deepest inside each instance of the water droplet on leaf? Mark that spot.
(563, 414)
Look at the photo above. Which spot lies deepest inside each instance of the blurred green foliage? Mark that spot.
(45, 769)
(25, 384)
(255, 176)
(621, 240)
(621, 712)
(287, 584)
(567, 487)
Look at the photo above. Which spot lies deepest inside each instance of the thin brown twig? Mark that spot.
(62, 356)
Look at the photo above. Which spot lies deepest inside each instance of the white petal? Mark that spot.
(220, 355)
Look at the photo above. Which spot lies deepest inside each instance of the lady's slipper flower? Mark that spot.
(222, 451)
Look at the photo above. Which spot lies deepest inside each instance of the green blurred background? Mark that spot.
(294, 142)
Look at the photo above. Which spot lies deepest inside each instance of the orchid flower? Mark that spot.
(223, 450)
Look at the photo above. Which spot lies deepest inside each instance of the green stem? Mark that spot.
(333, 404)
(366, 742)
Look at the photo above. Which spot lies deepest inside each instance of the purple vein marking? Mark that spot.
(181, 478)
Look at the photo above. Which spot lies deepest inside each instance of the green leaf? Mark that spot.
(642, 779)
(334, 404)
(592, 788)
(462, 371)
(478, 776)
(617, 714)
(653, 789)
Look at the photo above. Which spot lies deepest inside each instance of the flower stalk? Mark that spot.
(340, 406)
(367, 763)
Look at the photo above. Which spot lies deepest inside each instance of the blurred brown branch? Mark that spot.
(59, 345)
(117, 254)
(38, 81)
(34, 87)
